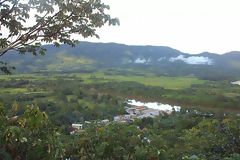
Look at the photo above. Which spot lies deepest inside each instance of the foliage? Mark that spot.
(52, 21)
(233, 157)
(29, 136)
(184, 135)
(81, 97)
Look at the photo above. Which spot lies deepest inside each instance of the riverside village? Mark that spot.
(134, 110)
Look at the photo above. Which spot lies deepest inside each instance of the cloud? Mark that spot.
(193, 60)
(142, 61)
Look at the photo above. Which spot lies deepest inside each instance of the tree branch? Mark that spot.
(3, 2)
(10, 11)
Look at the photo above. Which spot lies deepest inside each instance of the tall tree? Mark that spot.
(27, 24)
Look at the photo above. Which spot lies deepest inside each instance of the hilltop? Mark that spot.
(160, 60)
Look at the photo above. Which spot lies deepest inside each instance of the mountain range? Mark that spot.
(161, 60)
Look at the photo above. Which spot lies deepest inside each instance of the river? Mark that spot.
(154, 105)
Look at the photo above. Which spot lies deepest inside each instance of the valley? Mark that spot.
(99, 80)
(90, 87)
(78, 89)
(47, 105)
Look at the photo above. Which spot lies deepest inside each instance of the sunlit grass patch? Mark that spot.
(13, 90)
(175, 83)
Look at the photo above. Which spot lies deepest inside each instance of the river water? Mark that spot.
(154, 105)
(237, 82)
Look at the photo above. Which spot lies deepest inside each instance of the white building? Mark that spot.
(77, 126)
(123, 118)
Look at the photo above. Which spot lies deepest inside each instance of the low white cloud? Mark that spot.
(142, 61)
(194, 60)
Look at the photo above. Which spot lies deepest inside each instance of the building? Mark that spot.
(124, 118)
(105, 121)
(136, 110)
(142, 112)
(149, 113)
(76, 128)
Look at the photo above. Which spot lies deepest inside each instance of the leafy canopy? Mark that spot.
(29, 23)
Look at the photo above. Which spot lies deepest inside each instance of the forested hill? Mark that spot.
(158, 59)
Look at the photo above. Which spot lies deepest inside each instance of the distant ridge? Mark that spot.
(161, 60)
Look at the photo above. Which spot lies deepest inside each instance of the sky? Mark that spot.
(191, 26)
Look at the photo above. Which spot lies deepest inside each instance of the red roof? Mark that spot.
(140, 107)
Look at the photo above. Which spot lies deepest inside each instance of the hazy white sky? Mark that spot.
(191, 26)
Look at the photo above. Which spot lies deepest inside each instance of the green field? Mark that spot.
(174, 83)
(12, 90)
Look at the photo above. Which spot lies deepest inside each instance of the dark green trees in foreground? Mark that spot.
(187, 136)
(28, 136)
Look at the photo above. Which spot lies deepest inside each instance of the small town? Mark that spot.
(133, 112)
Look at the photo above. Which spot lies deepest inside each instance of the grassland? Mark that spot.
(12, 90)
(174, 83)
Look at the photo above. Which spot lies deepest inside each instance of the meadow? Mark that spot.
(174, 83)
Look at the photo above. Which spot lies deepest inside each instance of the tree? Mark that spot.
(29, 136)
(27, 24)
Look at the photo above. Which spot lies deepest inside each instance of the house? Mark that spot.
(136, 110)
(124, 118)
(87, 122)
(77, 126)
(131, 110)
(105, 121)
(140, 109)
(149, 113)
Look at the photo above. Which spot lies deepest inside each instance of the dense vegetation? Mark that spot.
(92, 92)
(37, 111)
(65, 99)
(185, 135)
